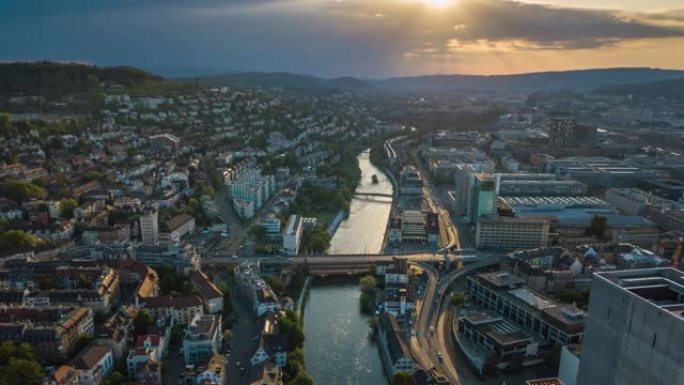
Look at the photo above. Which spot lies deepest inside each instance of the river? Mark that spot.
(364, 230)
(337, 349)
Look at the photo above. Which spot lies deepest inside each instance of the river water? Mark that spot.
(363, 231)
(337, 349)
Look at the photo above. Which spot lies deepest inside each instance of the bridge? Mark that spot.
(345, 263)
(372, 194)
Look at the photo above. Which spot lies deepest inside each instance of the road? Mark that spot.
(236, 230)
(430, 316)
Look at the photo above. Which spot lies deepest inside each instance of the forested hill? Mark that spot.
(673, 89)
(55, 79)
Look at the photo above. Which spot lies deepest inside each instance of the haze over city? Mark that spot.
(367, 39)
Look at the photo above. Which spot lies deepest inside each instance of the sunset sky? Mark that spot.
(363, 38)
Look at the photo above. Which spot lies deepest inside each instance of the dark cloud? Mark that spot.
(552, 27)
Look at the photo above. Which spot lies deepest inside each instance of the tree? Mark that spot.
(67, 207)
(6, 126)
(598, 226)
(457, 299)
(142, 321)
(116, 379)
(303, 378)
(401, 378)
(18, 365)
(367, 284)
(14, 239)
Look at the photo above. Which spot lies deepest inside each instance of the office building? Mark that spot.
(482, 196)
(507, 295)
(635, 328)
(149, 225)
(632, 201)
(508, 233)
(527, 184)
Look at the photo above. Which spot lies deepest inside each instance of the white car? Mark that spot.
(234, 257)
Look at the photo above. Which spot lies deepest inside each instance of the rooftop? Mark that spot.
(662, 287)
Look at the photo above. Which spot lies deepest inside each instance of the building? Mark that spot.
(175, 228)
(210, 294)
(395, 354)
(292, 235)
(271, 228)
(508, 233)
(507, 295)
(182, 309)
(411, 182)
(52, 332)
(482, 196)
(668, 219)
(251, 286)
(635, 324)
(498, 337)
(632, 201)
(531, 184)
(181, 259)
(202, 339)
(149, 226)
(413, 227)
(215, 372)
(165, 142)
(562, 131)
(250, 186)
(94, 363)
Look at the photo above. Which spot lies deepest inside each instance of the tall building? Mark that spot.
(635, 329)
(482, 196)
(149, 226)
(562, 131)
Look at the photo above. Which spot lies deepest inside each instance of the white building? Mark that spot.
(175, 228)
(94, 363)
(203, 339)
(149, 226)
(292, 236)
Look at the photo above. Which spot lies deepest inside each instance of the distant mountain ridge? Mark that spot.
(672, 89)
(578, 80)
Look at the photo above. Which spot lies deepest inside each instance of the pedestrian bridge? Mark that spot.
(371, 194)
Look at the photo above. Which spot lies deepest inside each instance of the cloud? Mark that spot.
(325, 37)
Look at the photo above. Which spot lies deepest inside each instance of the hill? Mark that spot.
(672, 89)
(580, 80)
(289, 81)
(53, 79)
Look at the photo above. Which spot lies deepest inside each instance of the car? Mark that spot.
(235, 257)
(440, 356)
(290, 259)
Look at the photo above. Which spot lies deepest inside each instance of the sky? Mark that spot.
(362, 38)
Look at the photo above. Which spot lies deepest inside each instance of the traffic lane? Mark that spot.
(243, 344)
